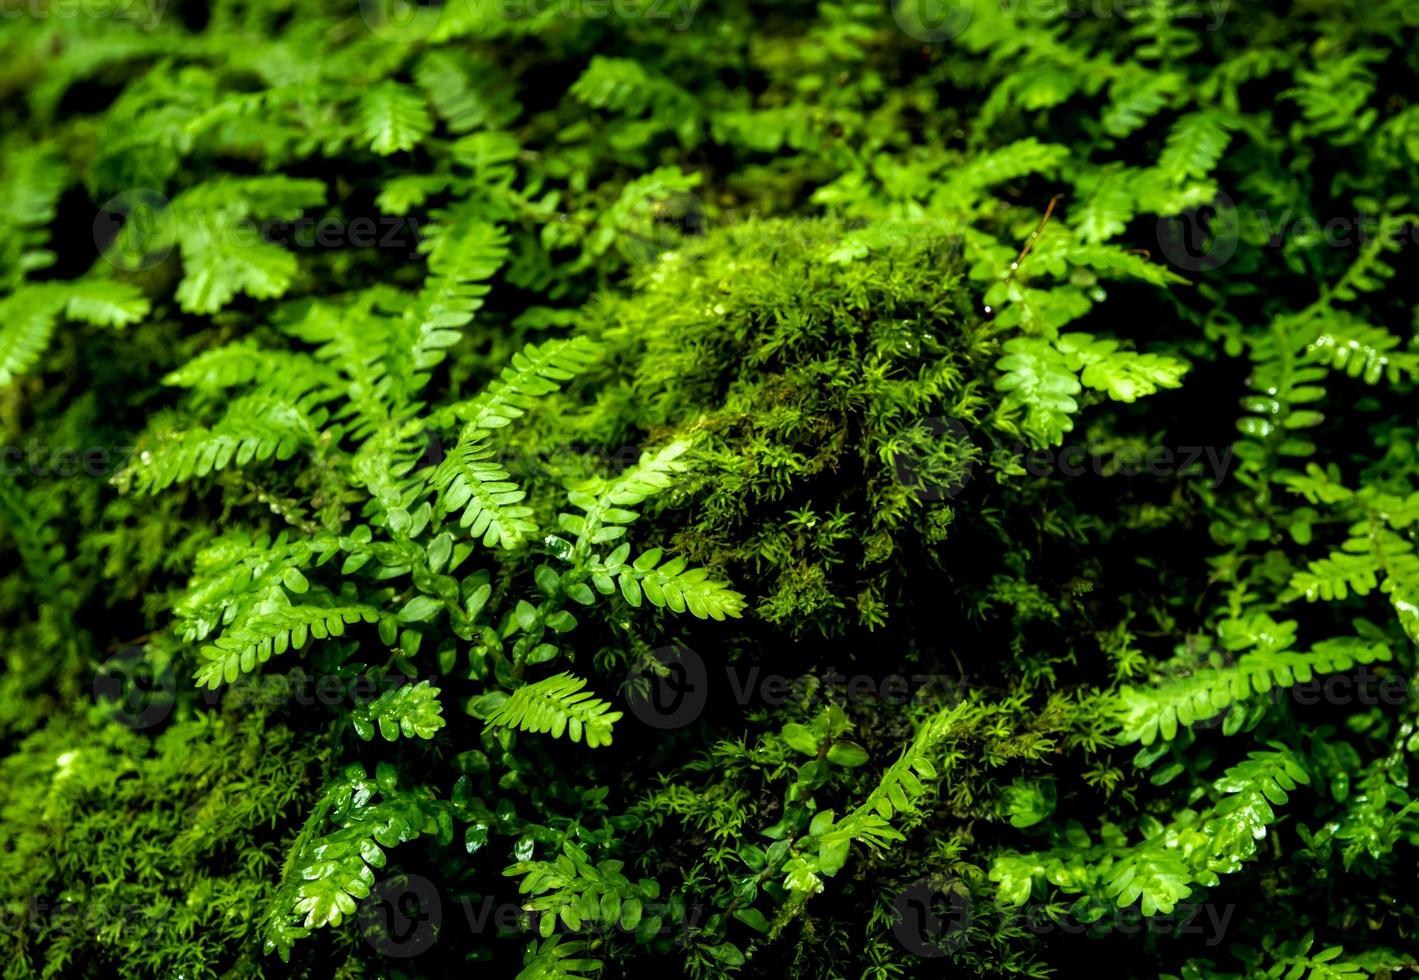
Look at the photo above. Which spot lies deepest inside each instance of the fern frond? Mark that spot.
(104, 303)
(1151, 713)
(258, 426)
(28, 316)
(222, 259)
(394, 118)
(463, 242)
(1108, 208)
(1194, 145)
(244, 362)
(1159, 877)
(672, 586)
(492, 506)
(558, 705)
(535, 371)
(25, 330)
(413, 710)
(464, 106)
(241, 575)
(223, 255)
(1037, 378)
(449, 299)
(241, 648)
(556, 959)
(327, 874)
(1337, 576)
(1124, 376)
(1363, 351)
(34, 178)
(1133, 101)
(1236, 824)
(1402, 585)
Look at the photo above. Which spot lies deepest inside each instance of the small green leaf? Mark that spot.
(420, 609)
(848, 754)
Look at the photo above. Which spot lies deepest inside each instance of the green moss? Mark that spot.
(493, 372)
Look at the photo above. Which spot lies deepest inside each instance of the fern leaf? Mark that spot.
(557, 959)
(1108, 209)
(394, 118)
(450, 298)
(491, 503)
(258, 426)
(1160, 878)
(244, 362)
(327, 874)
(1363, 351)
(223, 255)
(1239, 821)
(412, 710)
(1150, 713)
(240, 649)
(28, 316)
(1337, 576)
(462, 242)
(1194, 145)
(1133, 101)
(673, 586)
(1037, 378)
(558, 705)
(25, 330)
(221, 259)
(463, 105)
(238, 575)
(1123, 375)
(535, 371)
(105, 303)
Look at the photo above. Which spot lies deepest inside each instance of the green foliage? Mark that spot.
(811, 400)
(556, 705)
(413, 710)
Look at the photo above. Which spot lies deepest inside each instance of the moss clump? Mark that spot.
(831, 375)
